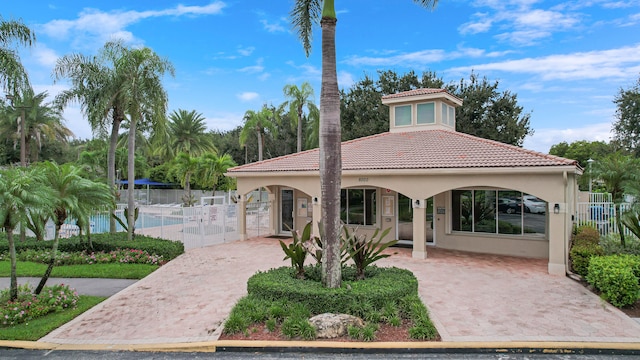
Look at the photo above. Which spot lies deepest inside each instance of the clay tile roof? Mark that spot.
(428, 149)
(417, 92)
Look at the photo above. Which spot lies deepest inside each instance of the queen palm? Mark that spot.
(211, 168)
(184, 167)
(304, 14)
(73, 195)
(299, 98)
(97, 85)
(20, 189)
(258, 123)
(142, 71)
(43, 123)
(13, 77)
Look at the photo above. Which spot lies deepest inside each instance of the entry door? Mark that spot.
(286, 210)
(405, 220)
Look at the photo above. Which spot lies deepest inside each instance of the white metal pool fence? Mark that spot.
(601, 215)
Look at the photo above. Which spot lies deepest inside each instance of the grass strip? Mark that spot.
(37, 328)
(104, 271)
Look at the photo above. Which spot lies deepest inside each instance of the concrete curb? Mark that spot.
(333, 346)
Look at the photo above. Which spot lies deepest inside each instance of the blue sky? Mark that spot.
(566, 60)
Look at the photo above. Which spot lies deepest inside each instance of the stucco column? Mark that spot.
(419, 229)
(242, 217)
(315, 202)
(557, 237)
(273, 214)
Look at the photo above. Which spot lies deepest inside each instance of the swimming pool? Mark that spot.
(100, 223)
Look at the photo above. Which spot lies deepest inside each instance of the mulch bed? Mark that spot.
(385, 333)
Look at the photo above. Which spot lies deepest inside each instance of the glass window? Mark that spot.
(462, 210)
(426, 113)
(445, 114)
(484, 211)
(358, 206)
(403, 115)
(452, 115)
(509, 212)
(506, 212)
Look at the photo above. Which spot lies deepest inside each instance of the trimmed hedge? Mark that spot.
(381, 286)
(586, 235)
(580, 256)
(105, 242)
(616, 277)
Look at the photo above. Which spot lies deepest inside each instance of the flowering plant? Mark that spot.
(29, 306)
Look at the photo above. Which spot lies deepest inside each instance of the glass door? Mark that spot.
(286, 210)
(405, 220)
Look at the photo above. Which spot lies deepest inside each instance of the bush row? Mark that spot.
(104, 242)
(381, 286)
(616, 277)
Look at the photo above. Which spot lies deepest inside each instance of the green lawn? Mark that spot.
(113, 271)
(37, 328)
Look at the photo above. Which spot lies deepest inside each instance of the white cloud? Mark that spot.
(413, 58)
(273, 27)
(248, 96)
(246, 51)
(345, 79)
(253, 69)
(93, 25)
(224, 121)
(543, 139)
(600, 64)
(44, 55)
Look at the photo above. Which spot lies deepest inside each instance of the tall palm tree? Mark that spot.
(299, 98)
(142, 70)
(13, 76)
(73, 196)
(211, 168)
(97, 85)
(303, 16)
(43, 122)
(259, 123)
(20, 189)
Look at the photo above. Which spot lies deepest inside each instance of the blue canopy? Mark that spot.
(144, 181)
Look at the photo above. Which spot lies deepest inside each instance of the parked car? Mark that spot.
(534, 205)
(509, 206)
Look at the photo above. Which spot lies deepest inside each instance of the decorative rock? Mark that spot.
(329, 326)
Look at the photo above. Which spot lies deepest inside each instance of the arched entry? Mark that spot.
(405, 220)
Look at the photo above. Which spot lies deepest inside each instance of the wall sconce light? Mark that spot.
(556, 208)
(315, 200)
(417, 202)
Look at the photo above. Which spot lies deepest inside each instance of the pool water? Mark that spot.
(100, 223)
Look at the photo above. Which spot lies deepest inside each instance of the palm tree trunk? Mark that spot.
(131, 180)
(111, 166)
(260, 143)
(619, 225)
(299, 148)
(330, 156)
(52, 261)
(13, 287)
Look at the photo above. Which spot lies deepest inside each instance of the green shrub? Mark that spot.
(29, 306)
(298, 327)
(586, 235)
(616, 277)
(580, 256)
(363, 251)
(271, 324)
(611, 245)
(106, 242)
(381, 286)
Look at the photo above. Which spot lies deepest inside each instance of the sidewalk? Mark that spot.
(473, 299)
(84, 286)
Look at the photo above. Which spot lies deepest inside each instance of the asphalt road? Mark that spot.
(19, 354)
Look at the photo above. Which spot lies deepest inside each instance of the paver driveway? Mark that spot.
(471, 297)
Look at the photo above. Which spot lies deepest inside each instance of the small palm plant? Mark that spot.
(298, 249)
(363, 251)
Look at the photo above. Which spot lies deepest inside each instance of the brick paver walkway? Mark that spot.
(471, 297)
